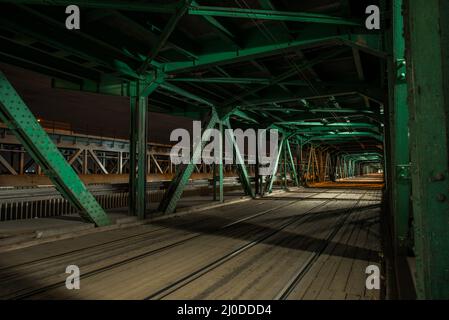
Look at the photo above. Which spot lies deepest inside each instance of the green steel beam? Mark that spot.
(240, 161)
(270, 15)
(185, 93)
(168, 29)
(16, 115)
(399, 132)
(220, 165)
(133, 93)
(347, 135)
(142, 129)
(315, 37)
(288, 74)
(329, 125)
(139, 92)
(228, 80)
(270, 179)
(177, 185)
(222, 30)
(292, 164)
(427, 40)
(102, 4)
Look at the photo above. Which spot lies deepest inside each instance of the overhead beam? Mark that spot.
(168, 29)
(312, 38)
(270, 15)
(103, 4)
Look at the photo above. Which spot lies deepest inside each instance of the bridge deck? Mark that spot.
(306, 244)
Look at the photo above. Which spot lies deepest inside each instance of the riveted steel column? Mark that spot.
(133, 108)
(16, 115)
(400, 158)
(139, 92)
(427, 41)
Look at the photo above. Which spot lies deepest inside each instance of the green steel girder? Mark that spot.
(330, 125)
(16, 115)
(103, 4)
(270, 179)
(222, 30)
(240, 161)
(292, 163)
(347, 135)
(247, 53)
(50, 31)
(168, 29)
(400, 188)
(170, 87)
(427, 37)
(288, 74)
(270, 15)
(177, 185)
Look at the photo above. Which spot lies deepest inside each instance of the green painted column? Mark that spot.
(220, 165)
(428, 76)
(142, 144)
(133, 107)
(139, 92)
(399, 142)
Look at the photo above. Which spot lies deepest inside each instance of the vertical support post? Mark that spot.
(400, 157)
(21, 161)
(256, 169)
(284, 166)
(292, 164)
(428, 76)
(139, 92)
(133, 94)
(142, 121)
(220, 165)
(270, 179)
(240, 162)
(214, 180)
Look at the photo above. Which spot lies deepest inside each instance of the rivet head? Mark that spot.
(441, 197)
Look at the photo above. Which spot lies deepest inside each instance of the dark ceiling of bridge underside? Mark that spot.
(272, 72)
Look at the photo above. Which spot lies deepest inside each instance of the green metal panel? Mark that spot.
(428, 75)
(177, 185)
(21, 121)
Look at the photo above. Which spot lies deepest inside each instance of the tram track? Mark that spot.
(30, 294)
